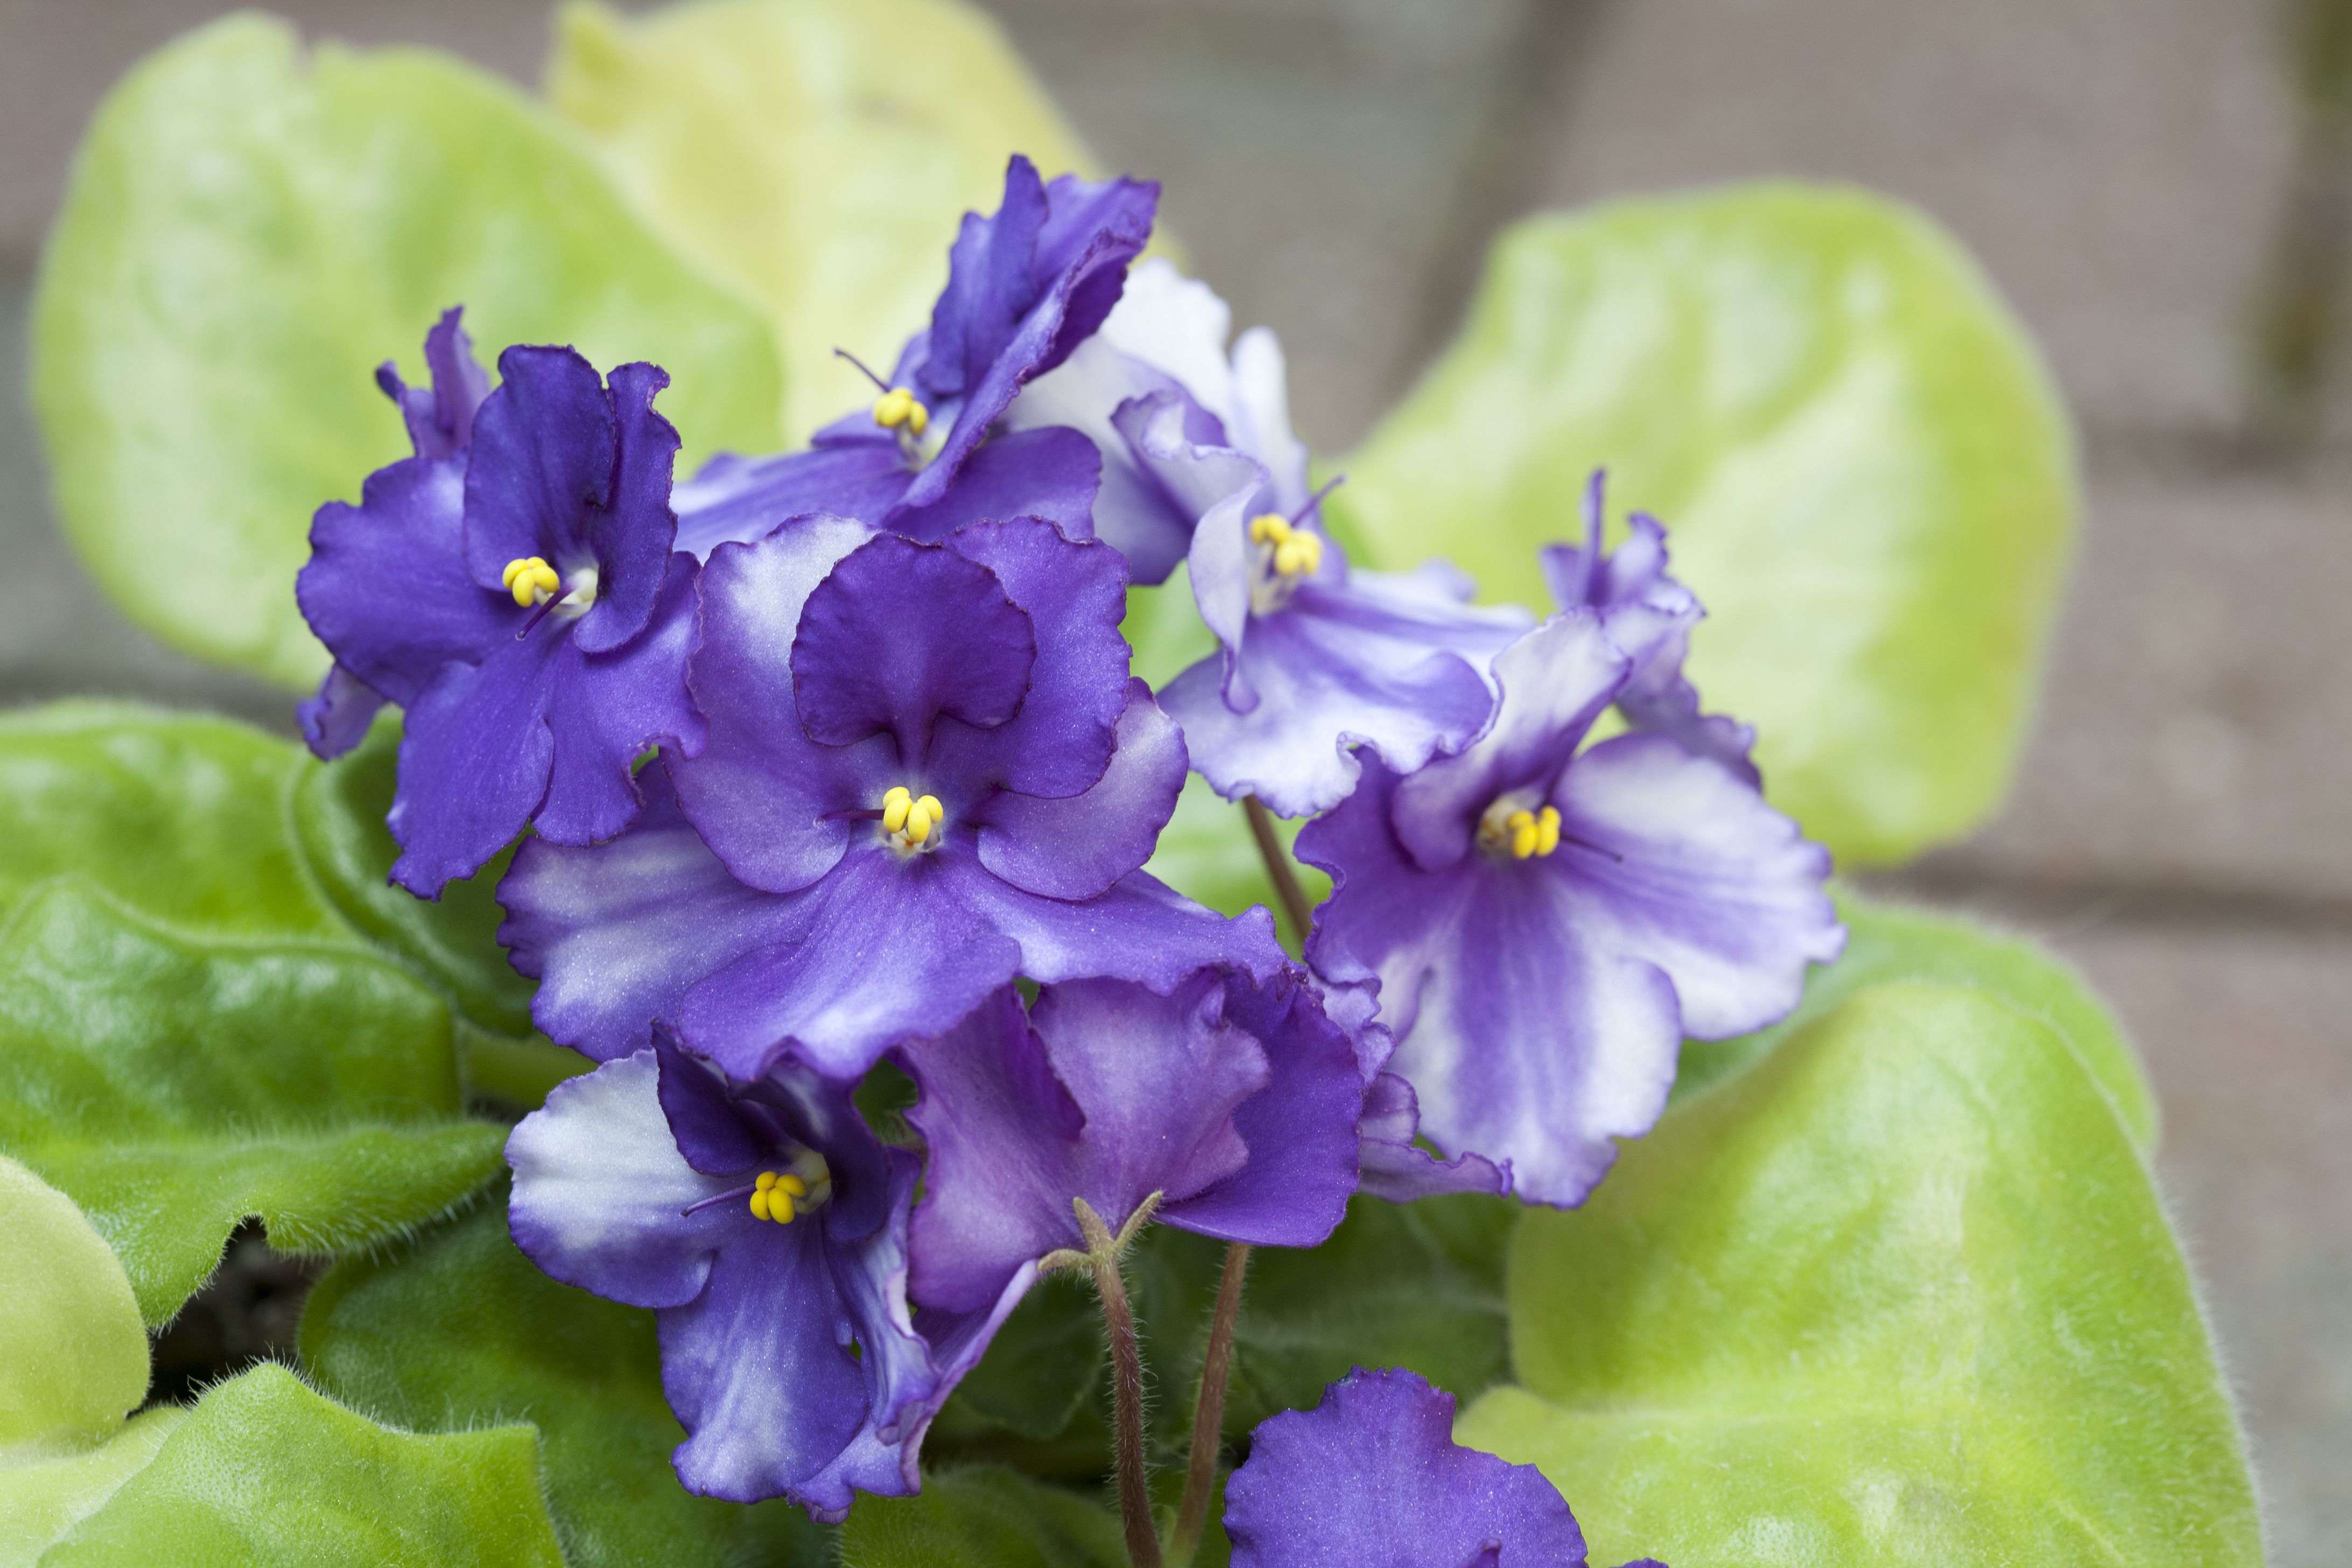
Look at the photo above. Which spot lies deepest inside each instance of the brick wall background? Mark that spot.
(2161, 186)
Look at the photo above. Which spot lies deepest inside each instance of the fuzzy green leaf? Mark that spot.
(986, 1517)
(1887, 942)
(456, 1329)
(1865, 471)
(263, 1473)
(174, 1086)
(817, 154)
(248, 233)
(1902, 1294)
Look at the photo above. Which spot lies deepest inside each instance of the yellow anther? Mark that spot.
(766, 1179)
(791, 1186)
(919, 821)
(780, 1206)
(930, 802)
(1547, 830)
(895, 806)
(760, 1205)
(1298, 556)
(898, 406)
(911, 821)
(773, 1195)
(1269, 528)
(530, 579)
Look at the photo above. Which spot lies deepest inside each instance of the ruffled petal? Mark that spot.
(440, 416)
(605, 709)
(736, 500)
(887, 946)
(1052, 474)
(632, 533)
(763, 794)
(1387, 663)
(901, 634)
(1140, 929)
(712, 1136)
(545, 446)
(1077, 847)
(1075, 595)
(474, 762)
(1132, 512)
(616, 933)
(1555, 681)
(1220, 488)
(1691, 871)
(601, 1190)
(339, 716)
(386, 587)
(1395, 1169)
(758, 1369)
(1373, 1476)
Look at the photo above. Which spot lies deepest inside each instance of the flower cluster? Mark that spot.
(833, 758)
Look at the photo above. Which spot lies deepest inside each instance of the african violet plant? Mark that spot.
(758, 994)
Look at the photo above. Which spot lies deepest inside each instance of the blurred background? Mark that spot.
(2163, 188)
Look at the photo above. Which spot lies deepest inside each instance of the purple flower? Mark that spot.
(1371, 1477)
(512, 586)
(928, 771)
(1025, 286)
(766, 1228)
(1233, 1097)
(1199, 462)
(1547, 922)
(1650, 615)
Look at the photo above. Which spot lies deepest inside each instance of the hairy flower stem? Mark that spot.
(1278, 867)
(1209, 1414)
(1101, 1258)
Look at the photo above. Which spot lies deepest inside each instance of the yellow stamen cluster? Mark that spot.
(530, 579)
(775, 1195)
(1533, 833)
(896, 407)
(1296, 552)
(909, 819)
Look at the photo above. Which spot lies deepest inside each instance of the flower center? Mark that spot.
(804, 1187)
(1509, 828)
(533, 581)
(897, 410)
(910, 822)
(1282, 555)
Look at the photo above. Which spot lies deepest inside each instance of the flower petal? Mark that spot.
(1076, 848)
(1139, 928)
(1395, 1169)
(741, 501)
(1047, 473)
(601, 1190)
(474, 761)
(604, 709)
(339, 716)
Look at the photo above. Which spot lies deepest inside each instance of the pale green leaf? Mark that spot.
(1864, 469)
(985, 1517)
(457, 1329)
(1902, 1294)
(263, 1473)
(817, 154)
(1889, 941)
(248, 233)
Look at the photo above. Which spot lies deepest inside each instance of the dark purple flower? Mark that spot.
(1650, 615)
(1547, 922)
(1371, 1477)
(928, 771)
(766, 1228)
(1233, 1097)
(1025, 286)
(518, 596)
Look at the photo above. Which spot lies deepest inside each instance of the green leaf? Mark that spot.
(247, 234)
(456, 1329)
(180, 816)
(339, 812)
(986, 1517)
(73, 1360)
(1042, 1367)
(1901, 1294)
(262, 1472)
(1206, 852)
(817, 154)
(174, 1086)
(1866, 475)
(1889, 941)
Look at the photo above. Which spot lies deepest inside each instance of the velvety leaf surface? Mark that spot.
(174, 1086)
(985, 1517)
(264, 1472)
(248, 233)
(41, 1500)
(815, 154)
(456, 1329)
(1901, 1294)
(1889, 941)
(180, 816)
(1865, 472)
